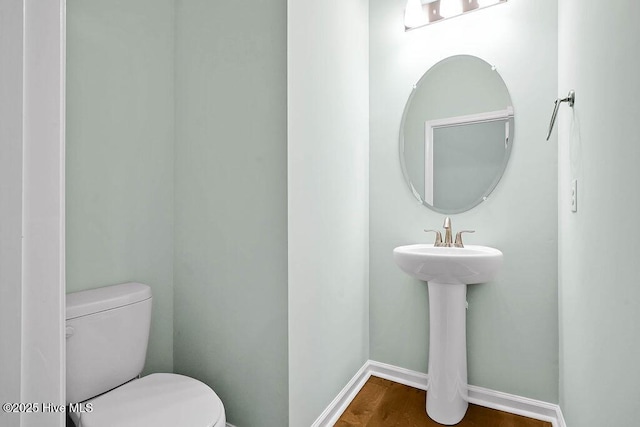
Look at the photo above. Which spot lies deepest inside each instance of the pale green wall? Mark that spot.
(231, 205)
(512, 322)
(227, 172)
(120, 153)
(328, 123)
(599, 252)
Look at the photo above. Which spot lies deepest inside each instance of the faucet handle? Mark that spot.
(438, 241)
(458, 242)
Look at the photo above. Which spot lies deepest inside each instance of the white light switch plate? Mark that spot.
(574, 195)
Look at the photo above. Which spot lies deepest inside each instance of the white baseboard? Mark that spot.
(397, 374)
(331, 414)
(518, 405)
(561, 422)
(477, 395)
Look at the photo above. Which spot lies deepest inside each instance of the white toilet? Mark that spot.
(107, 333)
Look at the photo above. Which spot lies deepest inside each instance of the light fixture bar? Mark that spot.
(419, 13)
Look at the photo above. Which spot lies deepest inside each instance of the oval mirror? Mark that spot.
(456, 134)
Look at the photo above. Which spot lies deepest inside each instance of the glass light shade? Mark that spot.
(485, 3)
(449, 8)
(414, 15)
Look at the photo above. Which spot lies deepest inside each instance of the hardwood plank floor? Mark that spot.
(383, 403)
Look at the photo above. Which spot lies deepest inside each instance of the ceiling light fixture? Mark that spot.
(419, 13)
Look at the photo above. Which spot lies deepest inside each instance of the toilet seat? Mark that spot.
(157, 400)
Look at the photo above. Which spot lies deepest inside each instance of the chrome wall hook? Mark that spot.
(571, 99)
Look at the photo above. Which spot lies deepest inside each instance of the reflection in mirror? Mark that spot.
(456, 134)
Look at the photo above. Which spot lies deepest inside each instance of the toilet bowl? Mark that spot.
(154, 400)
(107, 331)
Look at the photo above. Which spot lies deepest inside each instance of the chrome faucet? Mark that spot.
(448, 241)
(447, 232)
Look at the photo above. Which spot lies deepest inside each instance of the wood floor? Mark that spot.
(383, 403)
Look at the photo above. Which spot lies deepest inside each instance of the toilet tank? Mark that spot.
(107, 330)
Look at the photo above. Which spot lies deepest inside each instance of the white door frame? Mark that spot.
(430, 125)
(32, 214)
(11, 19)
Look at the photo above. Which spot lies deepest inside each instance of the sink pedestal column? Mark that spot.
(447, 394)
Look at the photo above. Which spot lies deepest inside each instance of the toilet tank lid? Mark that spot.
(105, 298)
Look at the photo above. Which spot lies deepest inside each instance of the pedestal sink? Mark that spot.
(448, 271)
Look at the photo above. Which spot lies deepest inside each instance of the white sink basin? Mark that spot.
(452, 266)
(448, 271)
